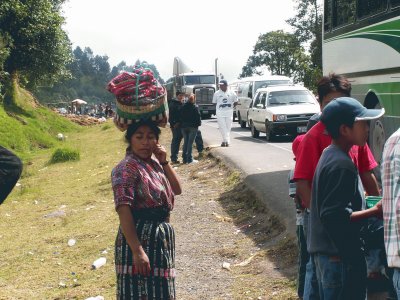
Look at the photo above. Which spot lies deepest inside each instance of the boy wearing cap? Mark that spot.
(225, 101)
(315, 141)
(337, 203)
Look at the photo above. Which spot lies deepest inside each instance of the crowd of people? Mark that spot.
(94, 110)
(339, 235)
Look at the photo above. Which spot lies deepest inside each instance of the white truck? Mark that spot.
(203, 85)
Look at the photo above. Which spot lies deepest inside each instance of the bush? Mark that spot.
(64, 154)
(106, 126)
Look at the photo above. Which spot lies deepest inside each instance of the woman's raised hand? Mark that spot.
(160, 153)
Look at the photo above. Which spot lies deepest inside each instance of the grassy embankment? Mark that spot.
(26, 127)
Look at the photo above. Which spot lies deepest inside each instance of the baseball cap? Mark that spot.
(223, 82)
(346, 109)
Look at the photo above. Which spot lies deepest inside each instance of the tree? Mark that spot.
(280, 52)
(4, 53)
(39, 49)
(308, 28)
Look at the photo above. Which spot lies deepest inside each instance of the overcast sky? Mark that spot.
(158, 30)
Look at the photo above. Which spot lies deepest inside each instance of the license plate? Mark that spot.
(205, 111)
(301, 129)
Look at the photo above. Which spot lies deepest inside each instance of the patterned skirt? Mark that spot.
(158, 241)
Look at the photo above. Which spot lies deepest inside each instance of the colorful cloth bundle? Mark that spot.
(139, 96)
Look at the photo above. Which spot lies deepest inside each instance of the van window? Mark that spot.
(257, 100)
(266, 83)
(245, 89)
(263, 99)
(290, 97)
(240, 89)
(250, 91)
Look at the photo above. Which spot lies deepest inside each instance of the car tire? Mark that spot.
(268, 132)
(241, 123)
(254, 132)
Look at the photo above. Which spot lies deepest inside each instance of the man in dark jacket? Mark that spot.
(174, 120)
(10, 171)
(190, 122)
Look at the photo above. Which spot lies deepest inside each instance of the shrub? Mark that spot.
(106, 126)
(64, 154)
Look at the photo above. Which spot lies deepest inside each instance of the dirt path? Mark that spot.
(219, 222)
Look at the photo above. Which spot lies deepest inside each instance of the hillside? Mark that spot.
(26, 126)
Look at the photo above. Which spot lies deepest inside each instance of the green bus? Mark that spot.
(361, 40)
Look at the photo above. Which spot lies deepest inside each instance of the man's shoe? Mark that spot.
(226, 144)
(175, 162)
(223, 144)
(193, 161)
(200, 155)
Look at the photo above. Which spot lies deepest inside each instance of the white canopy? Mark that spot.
(79, 101)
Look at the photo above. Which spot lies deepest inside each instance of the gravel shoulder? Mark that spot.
(228, 245)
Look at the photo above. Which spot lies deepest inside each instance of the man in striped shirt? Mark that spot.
(391, 204)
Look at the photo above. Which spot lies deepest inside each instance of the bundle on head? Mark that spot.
(139, 96)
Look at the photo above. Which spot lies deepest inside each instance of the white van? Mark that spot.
(246, 89)
(281, 110)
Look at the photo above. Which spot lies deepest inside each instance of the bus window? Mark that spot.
(395, 3)
(343, 12)
(368, 8)
(328, 15)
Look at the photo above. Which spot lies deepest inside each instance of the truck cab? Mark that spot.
(203, 85)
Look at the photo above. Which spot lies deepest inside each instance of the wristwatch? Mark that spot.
(164, 163)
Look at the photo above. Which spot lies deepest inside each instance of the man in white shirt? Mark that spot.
(226, 101)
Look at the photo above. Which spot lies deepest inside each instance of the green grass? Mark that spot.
(25, 129)
(64, 154)
(106, 126)
(35, 256)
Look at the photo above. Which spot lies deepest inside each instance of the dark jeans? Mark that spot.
(10, 171)
(311, 283)
(189, 135)
(396, 281)
(175, 143)
(341, 280)
(199, 142)
(302, 260)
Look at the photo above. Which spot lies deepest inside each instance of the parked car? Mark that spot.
(247, 87)
(281, 110)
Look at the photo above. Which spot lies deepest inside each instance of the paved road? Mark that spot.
(264, 164)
